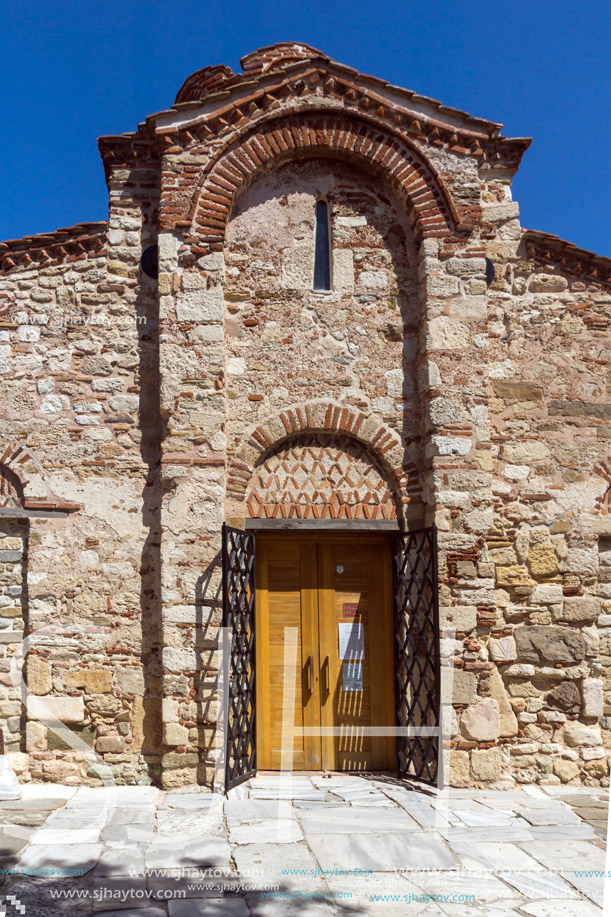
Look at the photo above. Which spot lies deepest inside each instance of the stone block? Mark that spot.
(92, 681)
(175, 734)
(548, 644)
(35, 737)
(516, 575)
(463, 618)
(491, 685)
(129, 679)
(577, 734)
(542, 560)
(526, 451)
(566, 770)
(578, 609)
(486, 764)
(502, 649)
(38, 675)
(200, 306)
(517, 391)
(546, 595)
(459, 768)
(593, 699)
(547, 283)
(566, 697)
(110, 745)
(69, 710)
(463, 687)
(447, 334)
(481, 721)
(179, 760)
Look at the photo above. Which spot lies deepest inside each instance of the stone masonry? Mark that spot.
(456, 372)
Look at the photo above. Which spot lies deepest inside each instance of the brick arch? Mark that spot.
(330, 420)
(351, 138)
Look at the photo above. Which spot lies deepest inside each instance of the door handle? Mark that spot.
(325, 667)
(309, 667)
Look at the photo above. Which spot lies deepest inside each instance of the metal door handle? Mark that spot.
(309, 667)
(326, 670)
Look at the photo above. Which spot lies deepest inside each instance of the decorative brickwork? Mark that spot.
(315, 477)
(354, 140)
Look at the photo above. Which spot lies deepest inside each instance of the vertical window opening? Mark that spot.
(322, 248)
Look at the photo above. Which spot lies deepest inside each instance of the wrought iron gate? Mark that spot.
(239, 615)
(417, 655)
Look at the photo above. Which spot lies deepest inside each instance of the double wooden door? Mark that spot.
(324, 652)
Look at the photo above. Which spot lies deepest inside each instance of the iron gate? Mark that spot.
(417, 655)
(239, 615)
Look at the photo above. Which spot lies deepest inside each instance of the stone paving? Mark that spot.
(325, 845)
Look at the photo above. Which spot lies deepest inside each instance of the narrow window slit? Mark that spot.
(322, 248)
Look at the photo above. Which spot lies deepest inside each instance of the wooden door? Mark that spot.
(312, 593)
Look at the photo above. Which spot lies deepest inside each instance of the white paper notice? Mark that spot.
(351, 641)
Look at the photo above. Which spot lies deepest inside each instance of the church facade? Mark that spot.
(306, 453)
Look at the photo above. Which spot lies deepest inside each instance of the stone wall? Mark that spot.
(80, 434)
(142, 413)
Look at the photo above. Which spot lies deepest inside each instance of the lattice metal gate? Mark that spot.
(239, 616)
(417, 655)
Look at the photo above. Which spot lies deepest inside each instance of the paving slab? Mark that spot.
(203, 823)
(381, 852)
(566, 854)
(191, 801)
(556, 815)
(266, 907)
(558, 908)
(149, 910)
(505, 833)
(582, 832)
(120, 893)
(486, 888)
(203, 852)
(139, 835)
(480, 818)
(238, 811)
(503, 907)
(117, 861)
(209, 907)
(358, 820)
(540, 886)
(590, 887)
(475, 855)
(61, 856)
(275, 861)
(269, 831)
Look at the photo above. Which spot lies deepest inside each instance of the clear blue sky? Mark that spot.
(72, 71)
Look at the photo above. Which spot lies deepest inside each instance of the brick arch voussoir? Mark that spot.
(280, 139)
(328, 418)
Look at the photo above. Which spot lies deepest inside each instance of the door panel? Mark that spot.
(287, 598)
(314, 584)
(357, 574)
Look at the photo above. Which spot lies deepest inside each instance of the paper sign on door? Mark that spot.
(352, 676)
(351, 641)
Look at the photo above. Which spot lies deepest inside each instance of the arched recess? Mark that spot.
(304, 445)
(11, 488)
(348, 137)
